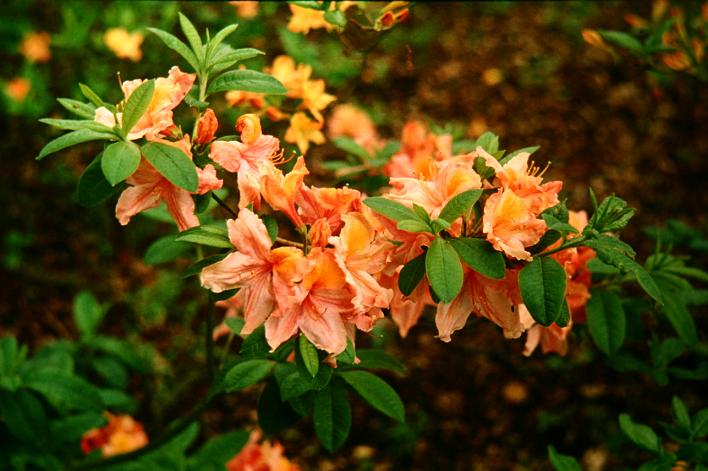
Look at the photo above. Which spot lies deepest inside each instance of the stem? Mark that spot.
(566, 245)
(290, 242)
(227, 347)
(208, 340)
(223, 205)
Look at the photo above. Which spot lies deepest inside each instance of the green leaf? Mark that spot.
(177, 45)
(336, 18)
(212, 235)
(376, 392)
(117, 400)
(197, 267)
(375, 359)
(444, 270)
(91, 95)
(611, 215)
(192, 36)
(641, 435)
(332, 416)
(459, 205)
(606, 321)
(489, 142)
(618, 38)
(218, 39)
(137, 104)
(248, 81)
(165, 249)
(271, 226)
(226, 56)
(700, 424)
(218, 451)
(681, 413)
(71, 429)
(562, 462)
(93, 188)
(681, 320)
(173, 164)
(274, 414)
(293, 385)
(308, 353)
(349, 146)
(411, 274)
(64, 391)
(120, 160)
(511, 155)
(391, 209)
(247, 373)
(480, 255)
(23, 415)
(76, 124)
(542, 284)
(414, 225)
(88, 314)
(83, 110)
(111, 370)
(71, 139)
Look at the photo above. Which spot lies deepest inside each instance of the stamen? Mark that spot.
(278, 157)
(535, 171)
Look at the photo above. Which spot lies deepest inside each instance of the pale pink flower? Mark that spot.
(148, 188)
(264, 274)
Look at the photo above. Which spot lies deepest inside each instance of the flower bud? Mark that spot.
(206, 128)
(249, 126)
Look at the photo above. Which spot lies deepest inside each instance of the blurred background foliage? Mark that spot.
(520, 69)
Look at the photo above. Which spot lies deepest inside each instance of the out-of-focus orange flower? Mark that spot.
(122, 435)
(246, 9)
(315, 99)
(394, 12)
(17, 89)
(35, 47)
(305, 19)
(292, 76)
(275, 114)
(635, 21)
(303, 130)
(265, 456)
(658, 9)
(677, 60)
(237, 97)
(124, 45)
(349, 121)
(593, 38)
(492, 76)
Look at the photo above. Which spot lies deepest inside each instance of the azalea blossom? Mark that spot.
(303, 130)
(124, 45)
(305, 19)
(265, 275)
(314, 98)
(264, 456)
(280, 191)
(18, 88)
(148, 188)
(238, 97)
(169, 92)
(206, 127)
(418, 147)
(35, 47)
(292, 76)
(349, 121)
(122, 434)
(329, 204)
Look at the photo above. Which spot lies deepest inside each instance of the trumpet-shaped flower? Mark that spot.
(148, 188)
(123, 44)
(265, 275)
(318, 306)
(418, 148)
(551, 339)
(246, 157)
(305, 19)
(327, 203)
(280, 191)
(169, 92)
(292, 76)
(406, 310)
(315, 99)
(303, 130)
(349, 121)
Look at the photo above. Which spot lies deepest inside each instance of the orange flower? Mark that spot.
(238, 97)
(246, 9)
(305, 19)
(329, 204)
(303, 130)
(552, 339)
(406, 310)
(206, 128)
(124, 45)
(122, 435)
(280, 191)
(349, 121)
(418, 147)
(265, 275)
(18, 88)
(593, 38)
(293, 77)
(265, 456)
(35, 47)
(315, 99)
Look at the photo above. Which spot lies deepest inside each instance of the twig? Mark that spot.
(223, 205)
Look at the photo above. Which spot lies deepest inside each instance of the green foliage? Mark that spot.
(444, 270)
(606, 320)
(248, 81)
(376, 392)
(119, 161)
(212, 235)
(479, 255)
(332, 416)
(411, 274)
(173, 164)
(542, 284)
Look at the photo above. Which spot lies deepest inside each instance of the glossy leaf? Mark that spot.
(120, 160)
(444, 270)
(212, 235)
(411, 274)
(71, 139)
(247, 81)
(459, 205)
(606, 320)
(136, 105)
(88, 313)
(93, 188)
(247, 373)
(308, 353)
(391, 209)
(542, 284)
(376, 392)
(332, 416)
(642, 435)
(479, 255)
(173, 164)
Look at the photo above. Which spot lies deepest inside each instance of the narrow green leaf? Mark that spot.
(165, 249)
(308, 352)
(190, 32)
(444, 270)
(681, 413)
(411, 274)
(218, 39)
(226, 56)
(414, 225)
(176, 45)
(489, 142)
(137, 104)
(391, 209)
(173, 164)
(376, 392)
(212, 235)
(542, 284)
(511, 155)
(375, 359)
(76, 124)
(562, 462)
(71, 139)
(271, 226)
(274, 414)
(480, 255)
(247, 80)
(91, 95)
(332, 416)
(120, 160)
(459, 205)
(606, 320)
(349, 146)
(87, 313)
(83, 110)
(93, 188)
(247, 373)
(641, 435)
(23, 415)
(619, 38)
(680, 318)
(700, 424)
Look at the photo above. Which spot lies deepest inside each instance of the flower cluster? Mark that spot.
(121, 435)
(264, 456)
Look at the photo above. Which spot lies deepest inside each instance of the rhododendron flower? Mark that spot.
(303, 130)
(406, 310)
(265, 456)
(206, 128)
(124, 45)
(305, 19)
(35, 47)
(314, 98)
(169, 92)
(349, 121)
(265, 275)
(246, 157)
(317, 307)
(418, 147)
(281, 190)
(329, 204)
(148, 188)
(362, 257)
(551, 339)
(246, 9)
(238, 97)
(18, 88)
(122, 434)
(293, 77)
